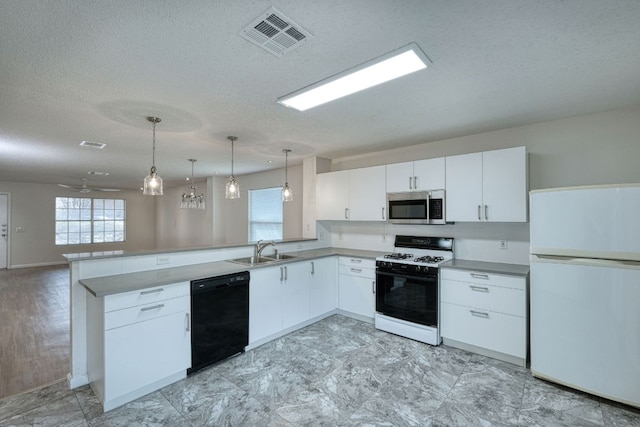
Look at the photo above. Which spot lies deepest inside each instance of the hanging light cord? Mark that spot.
(153, 155)
(286, 167)
(232, 140)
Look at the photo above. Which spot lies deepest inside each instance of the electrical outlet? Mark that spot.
(503, 244)
(162, 260)
(384, 237)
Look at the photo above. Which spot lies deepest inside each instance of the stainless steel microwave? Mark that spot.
(416, 207)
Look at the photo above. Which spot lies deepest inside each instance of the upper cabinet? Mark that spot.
(356, 195)
(490, 186)
(419, 175)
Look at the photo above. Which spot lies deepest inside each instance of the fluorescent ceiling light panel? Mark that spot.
(398, 63)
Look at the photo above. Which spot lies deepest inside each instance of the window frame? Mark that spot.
(88, 216)
(277, 192)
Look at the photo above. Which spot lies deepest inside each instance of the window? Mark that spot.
(83, 220)
(265, 214)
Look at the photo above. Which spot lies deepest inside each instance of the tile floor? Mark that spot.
(336, 372)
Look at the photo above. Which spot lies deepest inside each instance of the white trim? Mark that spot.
(39, 264)
(585, 187)
(8, 228)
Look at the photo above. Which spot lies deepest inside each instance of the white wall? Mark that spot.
(235, 218)
(601, 148)
(33, 209)
(181, 228)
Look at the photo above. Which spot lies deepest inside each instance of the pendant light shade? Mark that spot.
(153, 182)
(191, 200)
(233, 188)
(287, 194)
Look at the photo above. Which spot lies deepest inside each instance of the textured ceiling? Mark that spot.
(93, 70)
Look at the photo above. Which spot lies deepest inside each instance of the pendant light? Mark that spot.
(191, 200)
(287, 194)
(233, 188)
(153, 182)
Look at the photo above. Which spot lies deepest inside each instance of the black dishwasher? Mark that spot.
(219, 318)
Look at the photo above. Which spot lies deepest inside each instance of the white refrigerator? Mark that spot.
(585, 289)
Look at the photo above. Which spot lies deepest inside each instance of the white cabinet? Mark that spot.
(265, 305)
(419, 175)
(489, 186)
(356, 286)
(332, 195)
(138, 342)
(278, 298)
(485, 310)
(356, 195)
(295, 278)
(323, 289)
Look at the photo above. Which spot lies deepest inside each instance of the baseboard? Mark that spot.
(486, 352)
(40, 264)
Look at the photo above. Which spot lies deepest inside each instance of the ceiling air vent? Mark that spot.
(275, 33)
(91, 144)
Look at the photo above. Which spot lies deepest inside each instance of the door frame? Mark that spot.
(2, 193)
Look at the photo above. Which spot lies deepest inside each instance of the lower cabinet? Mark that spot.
(138, 342)
(487, 311)
(290, 294)
(356, 286)
(323, 289)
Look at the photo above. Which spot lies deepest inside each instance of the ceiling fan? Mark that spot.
(85, 189)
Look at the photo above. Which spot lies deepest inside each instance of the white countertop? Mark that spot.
(487, 267)
(109, 285)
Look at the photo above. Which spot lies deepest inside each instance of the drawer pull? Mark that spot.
(480, 276)
(152, 307)
(373, 287)
(356, 270)
(355, 261)
(479, 288)
(187, 322)
(153, 291)
(482, 314)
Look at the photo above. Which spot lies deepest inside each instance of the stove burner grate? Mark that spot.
(429, 259)
(397, 255)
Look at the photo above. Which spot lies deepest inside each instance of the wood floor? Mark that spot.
(34, 327)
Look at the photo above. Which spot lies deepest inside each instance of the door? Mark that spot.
(504, 185)
(323, 292)
(464, 187)
(399, 177)
(367, 197)
(295, 278)
(4, 229)
(585, 326)
(429, 174)
(332, 195)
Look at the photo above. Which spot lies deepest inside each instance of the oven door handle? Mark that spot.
(406, 276)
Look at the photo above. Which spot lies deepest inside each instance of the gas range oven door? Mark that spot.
(410, 297)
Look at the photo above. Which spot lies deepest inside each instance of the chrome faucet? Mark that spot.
(257, 249)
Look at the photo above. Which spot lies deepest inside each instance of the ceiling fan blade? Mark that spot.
(105, 189)
(71, 187)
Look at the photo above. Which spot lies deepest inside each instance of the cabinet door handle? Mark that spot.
(479, 215)
(373, 287)
(415, 182)
(313, 268)
(152, 307)
(356, 270)
(355, 261)
(410, 187)
(285, 272)
(382, 213)
(486, 217)
(281, 274)
(480, 276)
(479, 288)
(346, 213)
(482, 314)
(187, 322)
(153, 291)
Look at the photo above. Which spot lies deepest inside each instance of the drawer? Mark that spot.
(146, 296)
(357, 262)
(494, 331)
(369, 273)
(154, 310)
(484, 296)
(484, 278)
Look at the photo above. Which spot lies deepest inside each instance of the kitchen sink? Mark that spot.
(280, 257)
(250, 260)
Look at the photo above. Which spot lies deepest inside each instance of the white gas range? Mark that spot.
(407, 287)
